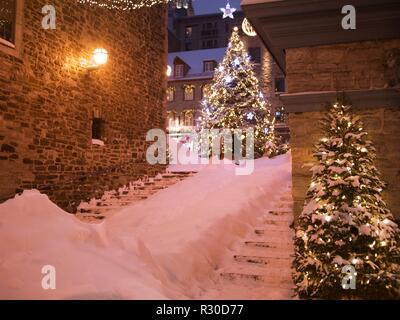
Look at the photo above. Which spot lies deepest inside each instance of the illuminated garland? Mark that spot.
(132, 4)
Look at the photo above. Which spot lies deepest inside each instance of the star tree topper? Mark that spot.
(228, 11)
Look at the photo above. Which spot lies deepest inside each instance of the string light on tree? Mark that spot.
(235, 100)
(250, 116)
(346, 187)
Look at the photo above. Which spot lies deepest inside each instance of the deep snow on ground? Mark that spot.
(167, 246)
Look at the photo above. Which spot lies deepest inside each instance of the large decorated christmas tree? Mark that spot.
(346, 224)
(234, 100)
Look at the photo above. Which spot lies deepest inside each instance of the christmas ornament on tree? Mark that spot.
(234, 100)
(346, 223)
(228, 11)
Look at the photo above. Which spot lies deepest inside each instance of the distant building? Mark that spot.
(191, 73)
(197, 46)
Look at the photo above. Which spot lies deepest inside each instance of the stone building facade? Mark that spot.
(70, 132)
(324, 62)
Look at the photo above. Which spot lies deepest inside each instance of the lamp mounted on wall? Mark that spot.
(98, 59)
(169, 71)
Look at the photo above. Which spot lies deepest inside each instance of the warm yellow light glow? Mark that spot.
(100, 56)
(248, 28)
(169, 71)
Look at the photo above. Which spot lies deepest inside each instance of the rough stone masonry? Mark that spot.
(48, 101)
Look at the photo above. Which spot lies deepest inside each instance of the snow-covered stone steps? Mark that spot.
(243, 292)
(129, 197)
(261, 231)
(265, 260)
(96, 210)
(277, 222)
(270, 244)
(276, 277)
(280, 213)
(277, 251)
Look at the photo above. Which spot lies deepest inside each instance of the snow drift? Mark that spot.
(167, 246)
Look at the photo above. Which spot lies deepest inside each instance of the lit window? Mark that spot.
(205, 90)
(188, 119)
(171, 94)
(208, 66)
(8, 20)
(188, 32)
(188, 93)
(171, 119)
(179, 70)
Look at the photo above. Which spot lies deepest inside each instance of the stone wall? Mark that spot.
(48, 101)
(351, 66)
(356, 66)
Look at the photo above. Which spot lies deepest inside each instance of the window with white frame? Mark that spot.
(208, 66)
(179, 70)
(188, 92)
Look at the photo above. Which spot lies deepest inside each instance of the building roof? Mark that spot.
(194, 59)
(284, 24)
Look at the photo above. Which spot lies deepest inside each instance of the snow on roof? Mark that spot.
(194, 59)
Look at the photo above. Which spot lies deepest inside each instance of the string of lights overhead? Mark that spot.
(133, 4)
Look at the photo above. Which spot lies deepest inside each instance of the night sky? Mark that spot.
(212, 6)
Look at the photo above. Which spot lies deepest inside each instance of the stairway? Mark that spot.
(97, 210)
(261, 266)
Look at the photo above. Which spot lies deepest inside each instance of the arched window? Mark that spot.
(188, 92)
(170, 94)
(188, 119)
(205, 90)
(171, 119)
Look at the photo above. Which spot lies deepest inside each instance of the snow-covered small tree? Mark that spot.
(345, 221)
(234, 100)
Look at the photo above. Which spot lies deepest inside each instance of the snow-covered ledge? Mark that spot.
(318, 101)
(98, 142)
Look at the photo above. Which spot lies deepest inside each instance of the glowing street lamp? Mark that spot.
(99, 58)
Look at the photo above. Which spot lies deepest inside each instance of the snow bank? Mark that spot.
(34, 232)
(165, 247)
